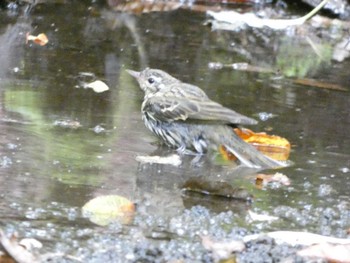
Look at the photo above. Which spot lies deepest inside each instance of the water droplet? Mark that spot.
(344, 170)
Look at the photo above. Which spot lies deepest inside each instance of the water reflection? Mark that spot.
(162, 186)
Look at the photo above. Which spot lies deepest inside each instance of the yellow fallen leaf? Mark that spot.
(274, 146)
(105, 209)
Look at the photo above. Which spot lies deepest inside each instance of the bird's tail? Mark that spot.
(249, 156)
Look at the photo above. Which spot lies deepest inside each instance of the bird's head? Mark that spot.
(152, 80)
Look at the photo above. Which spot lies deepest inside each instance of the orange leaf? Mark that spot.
(40, 39)
(226, 154)
(275, 147)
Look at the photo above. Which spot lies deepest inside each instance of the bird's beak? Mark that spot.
(133, 73)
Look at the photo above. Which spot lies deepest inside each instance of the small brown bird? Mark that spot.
(185, 118)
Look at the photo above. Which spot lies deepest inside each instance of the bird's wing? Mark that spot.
(165, 108)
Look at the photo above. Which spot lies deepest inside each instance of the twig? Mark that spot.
(252, 20)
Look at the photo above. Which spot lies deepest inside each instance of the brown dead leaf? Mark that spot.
(320, 84)
(40, 39)
(148, 6)
(348, 231)
(298, 238)
(140, 7)
(263, 179)
(222, 249)
(328, 252)
(17, 252)
(6, 258)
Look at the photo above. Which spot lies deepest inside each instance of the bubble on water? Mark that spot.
(180, 231)
(130, 256)
(215, 65)
(98, 129)
(5, 162)
(84, 232)
(344, 170)
(72, 214)
(264, 116)
(325, 190)
(15, 205)
(35, 213)
(41, 233)
(11, 146)
(311, 161)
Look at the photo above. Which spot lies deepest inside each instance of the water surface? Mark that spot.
(62, 145)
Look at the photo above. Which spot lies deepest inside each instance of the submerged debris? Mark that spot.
(320, 84)
(264, 179)
(260, 217)
(173, 159)
(222, 249)
(106, 209)
(15, 250)
(216, 188)
(147, 6)
(98, 86)
(40, 39)
(232, 20)
(298, 238)
(67, 124)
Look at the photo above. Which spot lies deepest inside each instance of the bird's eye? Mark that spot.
(151, 80)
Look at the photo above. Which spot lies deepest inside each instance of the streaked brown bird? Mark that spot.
(183, 117)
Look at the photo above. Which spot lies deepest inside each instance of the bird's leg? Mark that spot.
(182, 150)
(196, 161)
